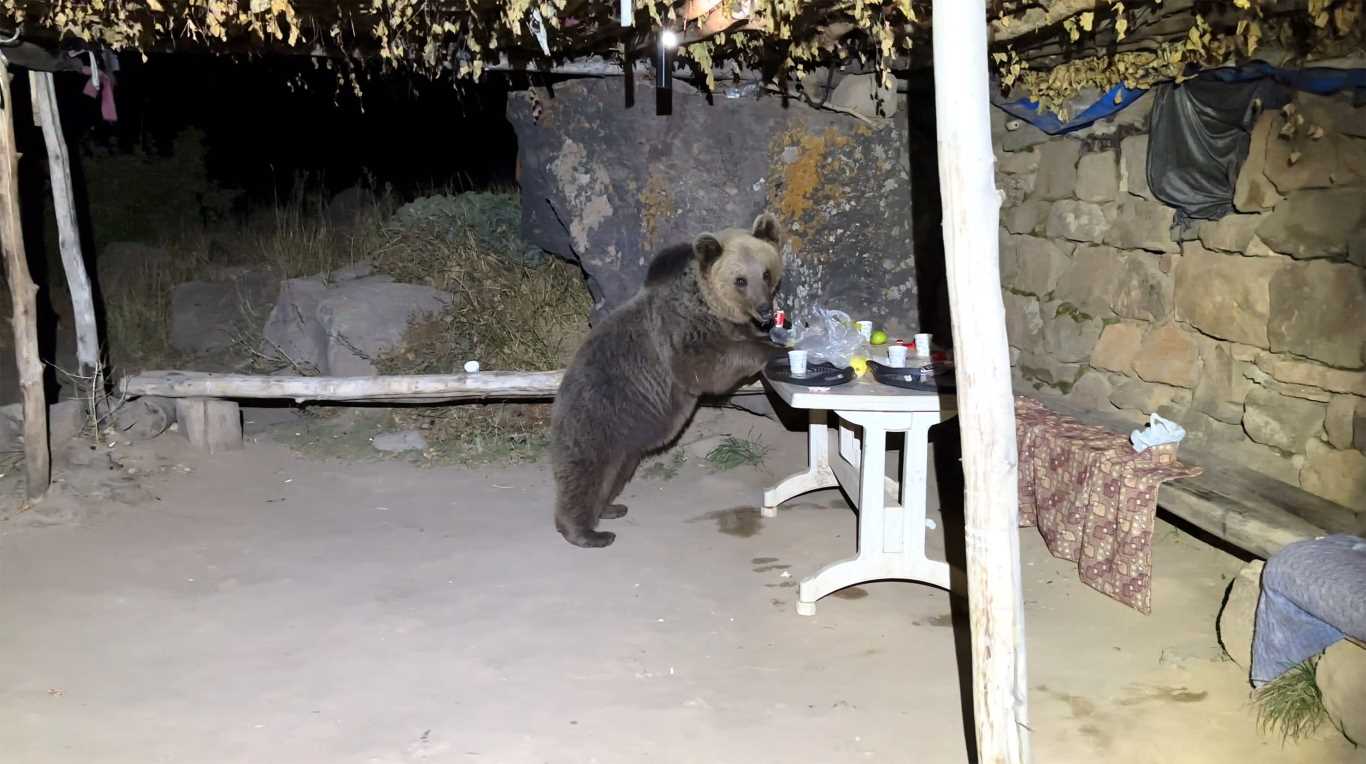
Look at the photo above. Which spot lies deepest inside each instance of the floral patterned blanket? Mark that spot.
(1093, 498)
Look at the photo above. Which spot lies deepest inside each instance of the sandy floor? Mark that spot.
(270, 607)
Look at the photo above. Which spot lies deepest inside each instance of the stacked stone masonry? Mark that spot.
(1249, 331)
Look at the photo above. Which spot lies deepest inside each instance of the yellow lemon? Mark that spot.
(879, 337)
(859, 364)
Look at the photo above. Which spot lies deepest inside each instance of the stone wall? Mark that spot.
(1250, 333)
(608, 186)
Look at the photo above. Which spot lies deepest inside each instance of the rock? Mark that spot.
(398, 442)
(1239, 613)
(1141, 224)
(1359, 426)
(123, 265)
(1024, 324)
(1144, 291)
(1009, 252)
(1133, 170)
(1025, 217)
(1281, 421)
(1339, 424)
(1090, 283)
(1226, 296)
(1253, 192)
(1341, 678)
(587, 200)
(1077, 221)
(1048, 371)
(1117, 347)
(1317, 311)
(1231, 233)
(1295, 372)
(1258, 248)
(863, 94)
(1230, 442)
(1021, 135)
(1068, 337)
(1141, 396)
(1336, 475)
(1300, 161)
(66, 421)
(1222, 388)
(1057, 173)
(1091, 392)
(1040, 263)
(143, 418)
(1098, 177)
(1356, 249)
(208, 316)
(340, 330)
(1018, 162)
(1315, 223)
(1169, 356)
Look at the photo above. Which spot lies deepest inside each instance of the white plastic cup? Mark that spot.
(896, 356)
(922, 345)
(471, 367)
(866, 329)
(797, 360)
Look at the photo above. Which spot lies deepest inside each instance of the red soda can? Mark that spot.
(780, 318)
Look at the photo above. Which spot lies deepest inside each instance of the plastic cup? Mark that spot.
(922, 345)
(797, 360)
(866, 329)
(896, 356)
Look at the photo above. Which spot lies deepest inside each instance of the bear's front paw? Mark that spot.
(613, 512)
(590, 539)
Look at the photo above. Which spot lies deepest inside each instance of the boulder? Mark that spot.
(1020, 135)
(1253, 191)
(1169, 356)
(1077, 221)
(1222, 388)
(1057, 174)
(1296, 372)
(1317, 311)
(1300, 160)
(1341, 678)
(1281, 421)
(208, 316)
(339, 330)
(1231, 233)
(1144, 291)
(1024, 323)
(1226, 296)
(1137, 395)
(1040, 262)
(1117, 347)
(1098, 177)
(1336, 475)
(1133, 169)
(1239, 614)
(838, 186)
(1091, 282)
(143, 418)
(1091, 392)
(1141, 224)
(66, 420)
(1340, 422)
(1359, 426)
(1315, 223)
(1068, 337)
(1018, 162)
(864, 94)
(1046, 370)
(1025, 217)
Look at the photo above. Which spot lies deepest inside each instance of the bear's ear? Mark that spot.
(708, 249)
(766, 228)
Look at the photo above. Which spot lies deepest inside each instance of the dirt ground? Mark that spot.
(273, 606)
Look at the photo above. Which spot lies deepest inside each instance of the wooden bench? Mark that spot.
(1247, 509)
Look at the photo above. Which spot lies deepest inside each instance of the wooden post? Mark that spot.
(45, 111)
(212, 426)
(23, 293)
(986, 404)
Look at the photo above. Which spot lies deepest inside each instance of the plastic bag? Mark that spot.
(829, 335)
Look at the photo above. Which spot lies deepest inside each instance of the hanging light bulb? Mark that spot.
(668, 39)
(664, 86)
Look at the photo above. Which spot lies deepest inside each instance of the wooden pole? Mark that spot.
(23, 293)
(986, 405)
(45, 111)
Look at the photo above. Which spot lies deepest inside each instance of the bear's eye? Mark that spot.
(768, 277)
(741, 282)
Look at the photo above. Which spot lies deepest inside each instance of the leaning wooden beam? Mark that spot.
(1034, 19)
(23, 293)
(986, 404)
(44, 94)
(398, 388)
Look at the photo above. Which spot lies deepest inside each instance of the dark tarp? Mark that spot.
(1198, 140)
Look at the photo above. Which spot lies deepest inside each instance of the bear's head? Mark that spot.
(740, 270)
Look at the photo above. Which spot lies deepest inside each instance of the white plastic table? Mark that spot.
(891, 531)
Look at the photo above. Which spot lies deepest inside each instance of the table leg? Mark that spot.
(817, 474)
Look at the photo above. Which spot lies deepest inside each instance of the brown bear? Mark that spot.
(699, 326)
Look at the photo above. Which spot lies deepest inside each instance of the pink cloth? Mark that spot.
(105, 93)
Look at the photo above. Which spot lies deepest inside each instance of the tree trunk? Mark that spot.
(986, 405)
(23, 294)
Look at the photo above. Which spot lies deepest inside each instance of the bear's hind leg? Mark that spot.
(578, 502)
(625, 470)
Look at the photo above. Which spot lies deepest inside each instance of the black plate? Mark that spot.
(942, 382)
(820, 374)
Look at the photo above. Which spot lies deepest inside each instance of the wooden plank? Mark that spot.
(212, 426)
(23, 294)
(397, 388)
(986, 405)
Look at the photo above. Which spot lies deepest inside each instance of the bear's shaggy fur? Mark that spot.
(698, 326)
